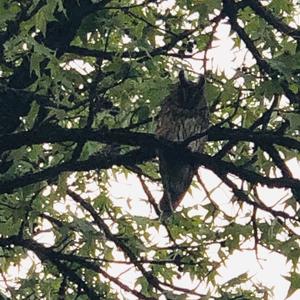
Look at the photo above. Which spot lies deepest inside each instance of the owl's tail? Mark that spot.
(176, 175)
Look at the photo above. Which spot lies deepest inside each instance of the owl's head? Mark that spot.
(190, 94)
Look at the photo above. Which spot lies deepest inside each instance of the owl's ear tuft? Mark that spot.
(183, 81)
(201, 81)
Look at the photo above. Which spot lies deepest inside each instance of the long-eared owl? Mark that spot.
(183, 114)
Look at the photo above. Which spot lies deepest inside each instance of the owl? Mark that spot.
(183, 114)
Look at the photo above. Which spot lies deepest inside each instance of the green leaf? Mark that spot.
(294, 120)
(35, 61)
(294, 280)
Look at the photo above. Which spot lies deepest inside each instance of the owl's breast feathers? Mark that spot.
(177, 122)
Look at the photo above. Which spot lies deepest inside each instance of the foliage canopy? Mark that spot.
(81, 83)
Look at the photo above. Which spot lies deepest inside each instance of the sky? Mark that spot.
(269, 270)
(272, 267)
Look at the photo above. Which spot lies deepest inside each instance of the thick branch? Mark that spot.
(119, 136)
(257, 137)
(276, 22)
(93, 163)
(231, 10)
(146, 141)
(109, 55)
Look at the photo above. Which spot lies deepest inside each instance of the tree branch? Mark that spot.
(266, 14)
(93, 163)
(119, 136)
(146, 141)
(47, 254)
(56, 257)
(231, 10)
(114, 238)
